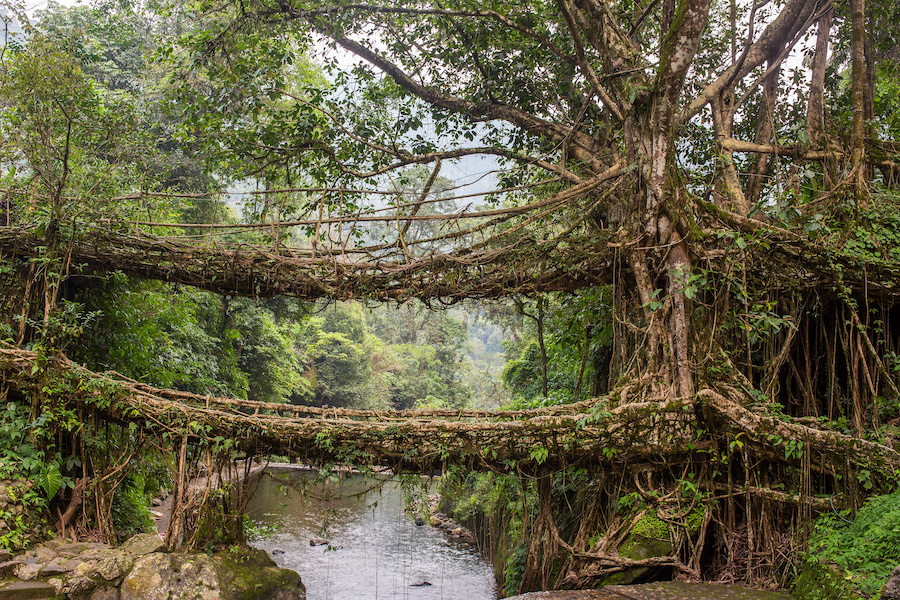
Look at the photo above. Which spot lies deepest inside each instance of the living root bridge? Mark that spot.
(537, 440)
(526, 266)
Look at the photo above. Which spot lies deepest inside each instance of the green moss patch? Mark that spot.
(651, 527)
(250, 573)
(819, 581)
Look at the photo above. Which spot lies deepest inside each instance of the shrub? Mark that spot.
(866, 550)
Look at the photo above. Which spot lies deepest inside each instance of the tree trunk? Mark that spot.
(858, 83)
(765, 128)
(542, 344)
(815, 108)
(729, 192)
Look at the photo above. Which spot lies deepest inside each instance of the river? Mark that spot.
(374, 551)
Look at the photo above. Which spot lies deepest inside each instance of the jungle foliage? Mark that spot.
(691, 209)
(857, 548)
(86, 122)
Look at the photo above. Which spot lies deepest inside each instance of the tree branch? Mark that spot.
(584, 147)
(783, 28)
(567, 9)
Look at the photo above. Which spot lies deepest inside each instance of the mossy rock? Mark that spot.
(649, 538)
(112, 566)
(159, 576)
(250, 574)
(819, 581)
(239, 573)
(143, 544)
(639, 547)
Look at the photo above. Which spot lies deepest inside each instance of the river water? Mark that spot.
(374, 551)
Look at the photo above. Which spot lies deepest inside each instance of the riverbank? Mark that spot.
(161, 508)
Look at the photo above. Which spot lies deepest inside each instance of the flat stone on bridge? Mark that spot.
(661, 590)
(28, 590)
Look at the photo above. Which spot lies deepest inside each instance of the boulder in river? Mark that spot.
(249, 574)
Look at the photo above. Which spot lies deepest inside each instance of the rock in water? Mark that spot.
(250, 573)
(317, 541)
(423, 584)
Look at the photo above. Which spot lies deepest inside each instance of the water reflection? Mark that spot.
(374, 550)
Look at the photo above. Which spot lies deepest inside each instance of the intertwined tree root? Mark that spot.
(590, 432)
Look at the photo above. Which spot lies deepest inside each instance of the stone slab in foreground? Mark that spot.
(28, 590)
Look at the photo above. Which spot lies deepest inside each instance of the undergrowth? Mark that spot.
(866, 550)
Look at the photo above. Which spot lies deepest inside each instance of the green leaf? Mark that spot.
(539, 454)
(50, 479)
